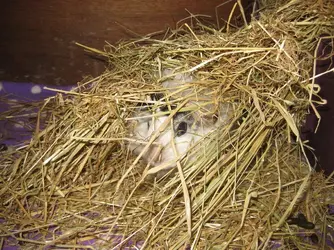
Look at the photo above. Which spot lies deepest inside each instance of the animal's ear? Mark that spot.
(226, 109)
(205, 119)
(208, 113)
(224, 114)
(210, 118)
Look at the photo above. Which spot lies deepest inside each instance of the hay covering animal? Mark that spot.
(183, 129)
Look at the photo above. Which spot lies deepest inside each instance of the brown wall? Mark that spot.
(36, 38)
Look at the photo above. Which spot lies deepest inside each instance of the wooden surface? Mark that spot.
(36, 38)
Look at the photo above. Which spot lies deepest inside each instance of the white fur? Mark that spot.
(161, 153)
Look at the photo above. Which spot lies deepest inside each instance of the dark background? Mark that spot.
(37, 37)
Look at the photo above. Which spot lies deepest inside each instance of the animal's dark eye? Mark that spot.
(181, 129)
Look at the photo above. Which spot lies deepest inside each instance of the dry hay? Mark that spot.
(77, 177)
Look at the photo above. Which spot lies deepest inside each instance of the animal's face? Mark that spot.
(183, 130)
(181, 133)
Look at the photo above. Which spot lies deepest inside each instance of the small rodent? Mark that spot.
(187, 128)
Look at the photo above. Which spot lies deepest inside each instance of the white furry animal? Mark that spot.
(187, 128)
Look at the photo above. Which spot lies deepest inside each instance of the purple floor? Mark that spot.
(16, 95)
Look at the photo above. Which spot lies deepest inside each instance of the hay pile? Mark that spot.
(76, 180)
